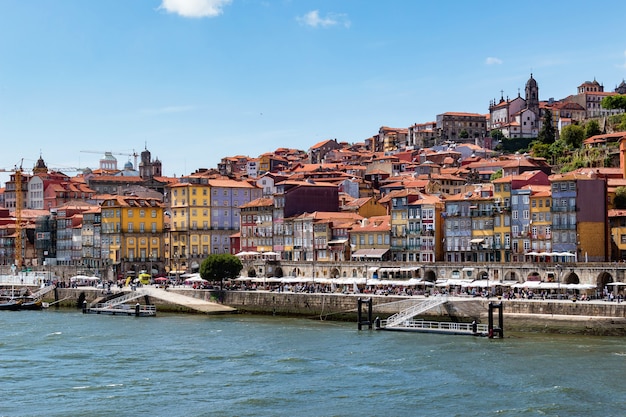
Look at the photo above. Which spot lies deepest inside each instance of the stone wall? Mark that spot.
(523, 315)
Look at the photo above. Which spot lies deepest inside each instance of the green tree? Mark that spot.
(573, 136)
(464, 134)
(620, 198)
(497, 134)
(541, 150)
(496, 175)
(218, 267)
(592, 128)
(547, 134)
(614, 102)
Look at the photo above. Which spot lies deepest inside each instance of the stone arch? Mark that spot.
(295, 272)
(344, 274)
(354, 273)
(603, 279)
(430, 275)
(252, 272)
(534, 276)
(571, 278)
(278, 272)
(482, 275)
(334, 273)
(510, 276)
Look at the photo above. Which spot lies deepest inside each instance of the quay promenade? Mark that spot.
(594, 317)
(592, 274)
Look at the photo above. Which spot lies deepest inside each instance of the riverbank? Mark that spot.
(550, 316)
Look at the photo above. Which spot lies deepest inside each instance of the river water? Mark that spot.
(64, 363)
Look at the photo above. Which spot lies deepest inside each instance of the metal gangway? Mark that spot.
(119, 305)
(117, 301)
(407, 314)
(43, 291)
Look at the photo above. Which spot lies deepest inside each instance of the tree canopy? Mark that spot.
(547, 134)
(614, 102)
(497, 134)
(620, 198)
(592, 128)
(573, 136)
(218, 267)
(496, 175)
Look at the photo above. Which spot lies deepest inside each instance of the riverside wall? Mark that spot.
(557, 316)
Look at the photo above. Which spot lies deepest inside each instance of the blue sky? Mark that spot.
(197, 80)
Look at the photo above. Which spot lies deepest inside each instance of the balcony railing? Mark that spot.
(561, 209)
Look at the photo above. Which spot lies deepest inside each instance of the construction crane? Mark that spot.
(134, 155)
(19, 202)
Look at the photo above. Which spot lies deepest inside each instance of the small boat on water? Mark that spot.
(31, 304)
(10, 304)
(22, 303)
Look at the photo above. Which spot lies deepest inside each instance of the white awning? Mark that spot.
(337, 241)
(477, 240)
(370, 253)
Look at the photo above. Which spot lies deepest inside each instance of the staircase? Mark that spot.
(133, 295)
(414, 310)
(45, 290)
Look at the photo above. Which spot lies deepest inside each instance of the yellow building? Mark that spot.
(617, 221)
(189, 234)
(132, 229)
(364, 207)
(502, 219)
(205, 212)
(540, 218)
(482, 219)
(369, 239)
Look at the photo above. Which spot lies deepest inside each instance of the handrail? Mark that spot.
(441, 325)
(45, 290)
(414, 310)
(133, 295)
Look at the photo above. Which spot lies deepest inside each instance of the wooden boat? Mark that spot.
(31, 305)
(10, 304)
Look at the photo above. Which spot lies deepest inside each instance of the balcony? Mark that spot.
(481, 213)
(561, 209)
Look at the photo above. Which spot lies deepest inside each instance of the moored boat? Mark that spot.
(31, 305)
(10, 304)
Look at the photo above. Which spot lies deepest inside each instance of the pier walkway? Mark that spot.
(404, 321)
(192, 303)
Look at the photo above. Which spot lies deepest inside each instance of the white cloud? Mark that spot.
(493, 61)
(314, 19)
(194, 8)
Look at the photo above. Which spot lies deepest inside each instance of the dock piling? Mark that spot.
(360, 320)
(500, 329)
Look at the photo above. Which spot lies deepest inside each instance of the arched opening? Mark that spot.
(252, 272)
(533, 276)
(483, 275)
(510, 276)
(430, 276)
(278, 272)
(604, 279)
(334, 273)
(572, 278)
